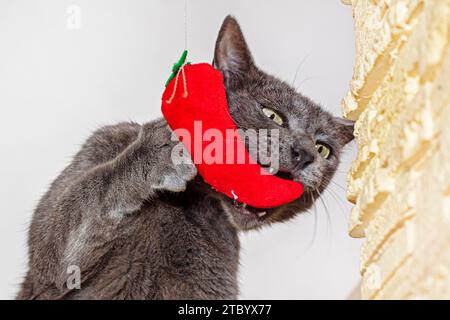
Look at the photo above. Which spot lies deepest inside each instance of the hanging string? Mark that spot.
(185, 93)
(180, 69)
(185, 25)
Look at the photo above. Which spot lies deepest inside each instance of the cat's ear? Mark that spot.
(232, 56)
(345, 128)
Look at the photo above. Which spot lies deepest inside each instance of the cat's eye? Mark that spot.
(272, 115)
(323, 150)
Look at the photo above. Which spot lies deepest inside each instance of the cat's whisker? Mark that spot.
(341, 207)
(315, 220)
(303, 81)
(338, 185)
(298, 69)
(336, 199)
(330, 229)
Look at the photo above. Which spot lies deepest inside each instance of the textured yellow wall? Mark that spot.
(400, 181)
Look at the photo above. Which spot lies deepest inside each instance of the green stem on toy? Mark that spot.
(177, 65)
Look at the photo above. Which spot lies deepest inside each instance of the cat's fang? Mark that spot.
(261, 214)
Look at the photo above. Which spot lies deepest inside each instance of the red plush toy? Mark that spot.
(195, 101)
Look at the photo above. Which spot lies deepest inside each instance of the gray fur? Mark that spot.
(139, 227)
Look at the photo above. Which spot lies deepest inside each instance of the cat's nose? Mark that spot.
(302, 157)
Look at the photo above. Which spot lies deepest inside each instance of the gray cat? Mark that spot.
(139, 227)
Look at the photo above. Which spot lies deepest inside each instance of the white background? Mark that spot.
(57, 85)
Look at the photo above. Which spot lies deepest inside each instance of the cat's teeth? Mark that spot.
(271, 170)
(262, 213)
(239, 204)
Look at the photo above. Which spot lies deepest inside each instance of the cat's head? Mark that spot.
(310, 139)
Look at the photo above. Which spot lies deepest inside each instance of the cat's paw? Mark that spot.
(174, 174)
(172, 167)
(176, 179)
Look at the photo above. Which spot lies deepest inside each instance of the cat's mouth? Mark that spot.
(247, 217)
(260, 214)
(286, 175)
(251, 212)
